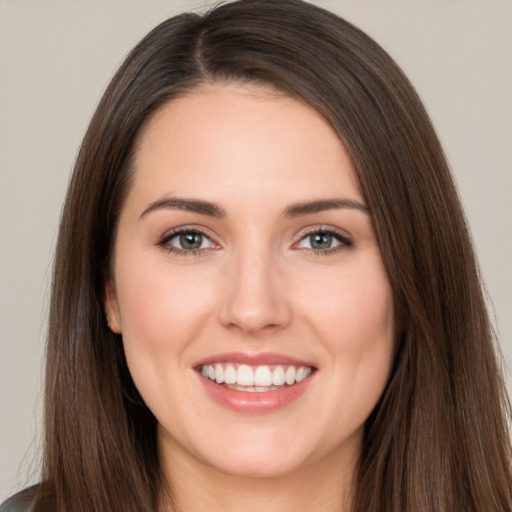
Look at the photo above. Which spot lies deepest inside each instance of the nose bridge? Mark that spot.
(254, 296)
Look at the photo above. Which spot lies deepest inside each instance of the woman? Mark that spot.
(264, 289)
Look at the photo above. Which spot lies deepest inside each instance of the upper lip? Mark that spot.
(253, 359)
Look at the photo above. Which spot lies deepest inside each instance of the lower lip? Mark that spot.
(258, 402)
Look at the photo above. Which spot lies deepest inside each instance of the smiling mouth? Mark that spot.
(262, 378)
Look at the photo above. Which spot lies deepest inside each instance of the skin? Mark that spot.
(256, 286)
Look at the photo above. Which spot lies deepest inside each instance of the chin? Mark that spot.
(259, 467)
(261, 457)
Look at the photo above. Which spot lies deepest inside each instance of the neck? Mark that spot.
(323, 487)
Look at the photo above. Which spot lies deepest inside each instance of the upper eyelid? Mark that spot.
(309, 230)
(186, 229)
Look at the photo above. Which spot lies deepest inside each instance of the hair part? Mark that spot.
(438, 438)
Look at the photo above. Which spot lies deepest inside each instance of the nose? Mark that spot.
(254, 297)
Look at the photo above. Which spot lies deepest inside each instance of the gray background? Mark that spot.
(57, 56)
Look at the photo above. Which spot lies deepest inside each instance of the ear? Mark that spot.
(112, 308)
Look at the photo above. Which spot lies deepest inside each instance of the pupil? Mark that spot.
(191, 240)
(321, 241)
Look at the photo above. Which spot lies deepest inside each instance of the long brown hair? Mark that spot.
(438, 440)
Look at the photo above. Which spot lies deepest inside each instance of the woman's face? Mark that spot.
(256, 314)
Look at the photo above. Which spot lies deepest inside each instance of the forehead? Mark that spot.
(232, 140)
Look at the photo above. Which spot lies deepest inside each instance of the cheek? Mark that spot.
(355, 310)
(356, 326)
(162, 311)
(158, 302)
(355, 323)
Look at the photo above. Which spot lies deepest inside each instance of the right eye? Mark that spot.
(189, 241)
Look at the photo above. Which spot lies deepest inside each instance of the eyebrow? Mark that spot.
(293, 211)
(191, 205)
(309, 207)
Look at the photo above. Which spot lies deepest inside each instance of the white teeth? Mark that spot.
(258, 378)
(262, 376)
(245, 375)
(290, 375)
(230, 375)
(278, 376)
(219, 374)
(302, 373)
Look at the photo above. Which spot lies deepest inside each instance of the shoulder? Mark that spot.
(20, 502)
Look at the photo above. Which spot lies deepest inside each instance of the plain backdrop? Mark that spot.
(57, 56)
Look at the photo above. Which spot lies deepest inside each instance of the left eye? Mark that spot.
(321, 240)
(190, 241)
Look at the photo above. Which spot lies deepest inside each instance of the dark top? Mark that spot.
(20, 502)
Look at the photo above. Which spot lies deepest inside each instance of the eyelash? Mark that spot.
(344, 242)
(165, 242)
